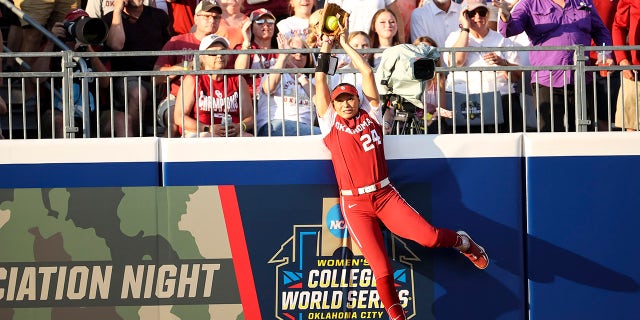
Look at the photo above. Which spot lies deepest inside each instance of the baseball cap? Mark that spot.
(211, 39)
(208, 6)
(255, 14)
(75, 15)
(343, 88)
(473, 4)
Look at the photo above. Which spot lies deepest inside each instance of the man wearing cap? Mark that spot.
(133, 27)
(352, 131)
(207, 19)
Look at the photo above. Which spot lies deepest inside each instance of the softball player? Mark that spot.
(352, 130)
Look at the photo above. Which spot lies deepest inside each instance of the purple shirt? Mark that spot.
(547, 24)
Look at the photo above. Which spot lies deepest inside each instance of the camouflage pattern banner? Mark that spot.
(115, 253)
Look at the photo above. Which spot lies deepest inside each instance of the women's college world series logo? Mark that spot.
(321, 274)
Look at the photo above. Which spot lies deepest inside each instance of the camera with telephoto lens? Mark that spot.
(86, 30)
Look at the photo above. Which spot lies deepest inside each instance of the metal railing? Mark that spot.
(25, 119)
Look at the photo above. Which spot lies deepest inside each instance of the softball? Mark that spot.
(331, 23)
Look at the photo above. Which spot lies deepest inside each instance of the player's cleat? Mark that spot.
(475, 253)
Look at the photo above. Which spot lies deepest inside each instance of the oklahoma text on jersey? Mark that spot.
(359, 128)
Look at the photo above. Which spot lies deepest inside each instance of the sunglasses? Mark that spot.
(481, 11)
(263, 21)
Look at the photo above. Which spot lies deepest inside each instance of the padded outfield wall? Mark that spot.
(249, 229)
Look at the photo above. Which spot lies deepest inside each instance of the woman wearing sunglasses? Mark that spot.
(475, 33)
(258, 34)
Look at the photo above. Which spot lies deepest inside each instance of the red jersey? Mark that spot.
(211, 98)
(356, 146)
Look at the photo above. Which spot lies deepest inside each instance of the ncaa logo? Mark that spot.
(335, 222)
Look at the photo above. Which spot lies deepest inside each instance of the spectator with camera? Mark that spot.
(80, 33)
(222, 106)
(480, 85)
(133, 27)
(207, 19)
(44, 12)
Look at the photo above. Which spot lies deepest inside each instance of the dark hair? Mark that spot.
(373, 35)
(274, 38)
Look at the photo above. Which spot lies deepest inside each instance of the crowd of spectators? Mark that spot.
(155, 25)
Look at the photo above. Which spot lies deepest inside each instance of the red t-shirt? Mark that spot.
(626, 30)
(210, 96)
(182, 15)
(185, 41)
(606, 9)
(357, 149)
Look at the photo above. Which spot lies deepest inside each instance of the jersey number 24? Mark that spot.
(369, 140)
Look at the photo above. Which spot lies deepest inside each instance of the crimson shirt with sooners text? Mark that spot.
(356, 146)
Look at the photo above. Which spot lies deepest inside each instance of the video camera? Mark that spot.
(405, 69)
(86, 30)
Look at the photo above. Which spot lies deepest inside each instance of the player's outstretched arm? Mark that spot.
(369, 88)
(322, 96)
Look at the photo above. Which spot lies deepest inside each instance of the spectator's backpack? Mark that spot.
(404, 70)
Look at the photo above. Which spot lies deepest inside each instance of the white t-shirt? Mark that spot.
(294, 26)
(281, 103)
(429, 20)
(361, 12)
(480, 81)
